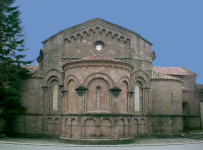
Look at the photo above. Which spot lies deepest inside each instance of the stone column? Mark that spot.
(81, 99)
(83, 127)
(115, 105)
(85, 102)
(125, 130)
(115, 128)
(80, 103)
(201, 114)
(146, 109)
(115, 96)
(79, 127)
(44, 108)
(111, 103)
(146, 101)
(63, 107)
(69, 128)
(143, 101)
(48, 100)
(63, 131)
(98, 127)
(128, 100)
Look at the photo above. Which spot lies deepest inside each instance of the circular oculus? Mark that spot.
(98, 47)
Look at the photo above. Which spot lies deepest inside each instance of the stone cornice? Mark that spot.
(97, 64)
(161, 79)
(114, 28)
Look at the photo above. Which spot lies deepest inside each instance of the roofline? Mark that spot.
(162, 79)
(138, 35)
(189, 71)
(96, 61)
(184, 68)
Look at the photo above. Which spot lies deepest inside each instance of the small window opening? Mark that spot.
(98, 89)
(137, 98)
(55, 97)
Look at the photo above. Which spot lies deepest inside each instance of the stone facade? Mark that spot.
(96, 81)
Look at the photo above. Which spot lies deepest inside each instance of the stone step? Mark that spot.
(198, 136)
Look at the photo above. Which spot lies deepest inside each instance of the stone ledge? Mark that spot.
(24, 135)
(97, 141)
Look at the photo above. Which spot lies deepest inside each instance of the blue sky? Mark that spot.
(175, 27)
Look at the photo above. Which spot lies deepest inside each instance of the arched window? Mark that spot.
(98, 90)
(137, 98)
(186, 108)
(98, 95)
(55, 97)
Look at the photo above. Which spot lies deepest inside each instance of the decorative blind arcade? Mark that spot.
(55, 97)
(137, 99)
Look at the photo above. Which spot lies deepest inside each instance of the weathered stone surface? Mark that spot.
(72, 96)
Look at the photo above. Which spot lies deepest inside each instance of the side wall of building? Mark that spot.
(201, 114)
(32, 99)
(190, 104)
(165, 107)
(191, 111)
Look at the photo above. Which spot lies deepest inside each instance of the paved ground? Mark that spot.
(139, 142)
(35, 147)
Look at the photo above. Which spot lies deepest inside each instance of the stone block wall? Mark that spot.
(32, 99)
(27, 125)
(61, 49)
(165, 97)
(102, 126)
(93, 76)
(191, 123)
(32, 95)
(165, 124)
(98, 113)
(165, 107)
(201, 115)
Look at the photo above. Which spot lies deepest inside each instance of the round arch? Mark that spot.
(126, 79)
(142, 77)
(186, 108)
(97, 76)
(51, 73)
(71, 77)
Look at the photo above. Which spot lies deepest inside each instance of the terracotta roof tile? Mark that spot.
(185, 88)
(97, 57)
(158, 75)
(34, 69)
(171, 70)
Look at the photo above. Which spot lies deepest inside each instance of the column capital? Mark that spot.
(44, 88)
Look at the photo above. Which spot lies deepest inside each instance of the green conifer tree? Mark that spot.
(12, 42)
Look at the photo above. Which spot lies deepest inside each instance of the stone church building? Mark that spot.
(96, 80)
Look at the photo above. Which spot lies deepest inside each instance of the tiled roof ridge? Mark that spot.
(172, 70)
(158, 75)
(35, 69)
(189, 71)
(97, 57)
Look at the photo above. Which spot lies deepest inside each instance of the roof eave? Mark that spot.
(102, 20)
(96, 61)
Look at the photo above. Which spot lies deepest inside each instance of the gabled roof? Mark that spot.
(77, 28)
(156, 74)
(97, 58)
(35, 69)
(171, 71)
